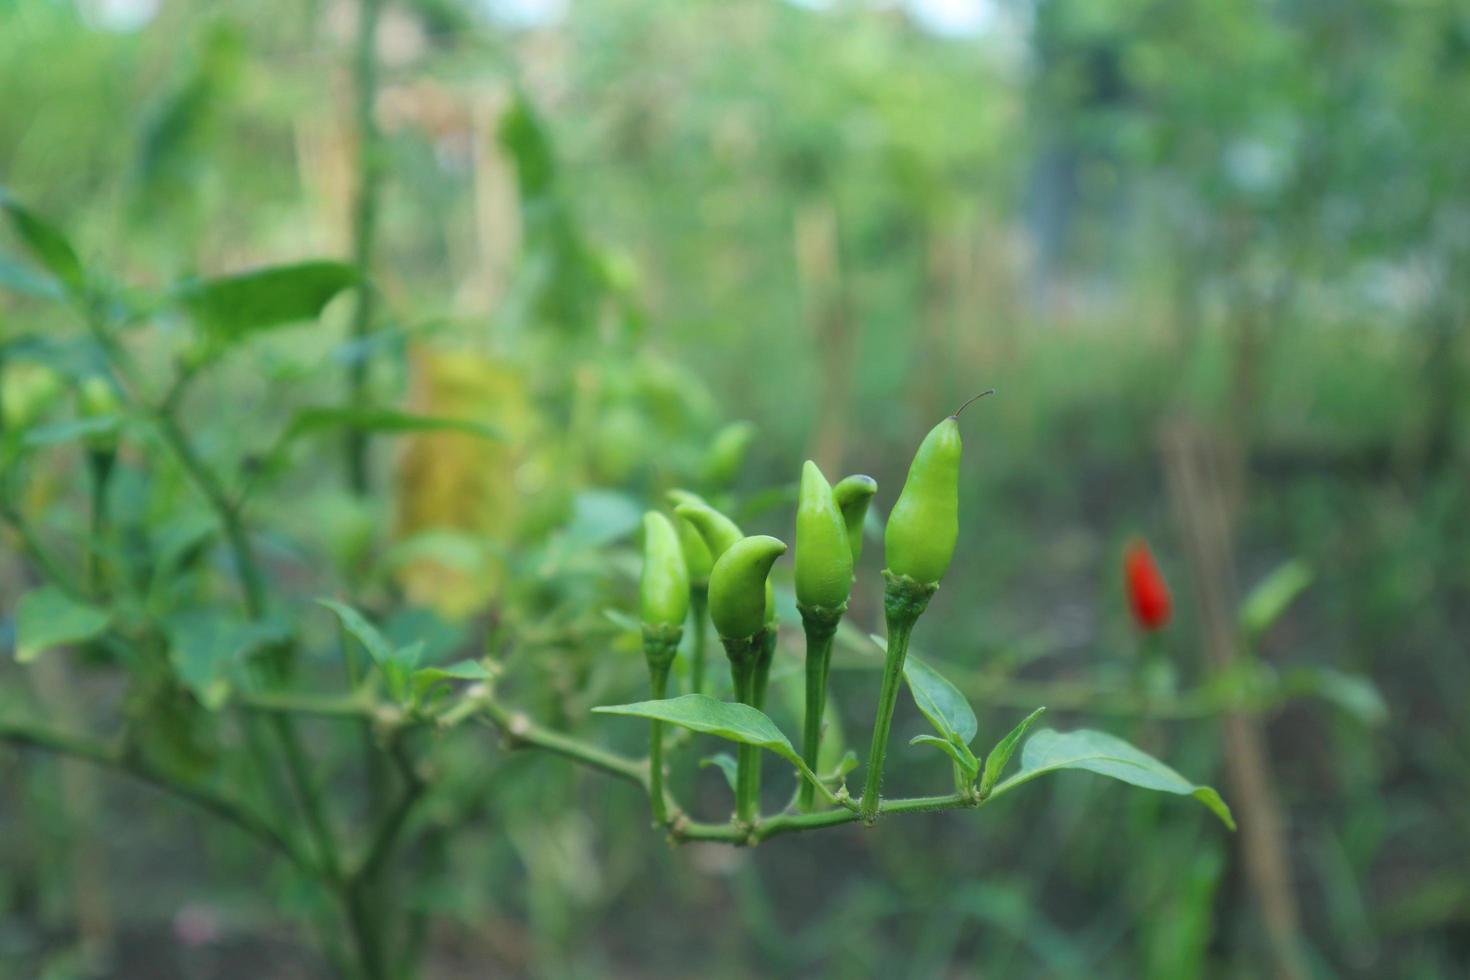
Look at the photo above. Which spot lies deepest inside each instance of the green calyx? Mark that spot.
(717, 530)
(737, 586)
(823, 554)
(661, 645)
(924, 524)
(663, 588)
(905, 599)
(853, 494)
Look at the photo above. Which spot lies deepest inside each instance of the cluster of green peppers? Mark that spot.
(707, 558)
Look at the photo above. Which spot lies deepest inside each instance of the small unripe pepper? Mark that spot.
(663, 593)
(718, 531)
(823, 580)
(1148, 593)
(918, 544)
(663, 588)
(823, 555)
(696, 554)
(727, 454)
(737, 586)
(924, 525)
(853, 495)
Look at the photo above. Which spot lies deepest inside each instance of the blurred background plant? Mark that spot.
(1214, 255)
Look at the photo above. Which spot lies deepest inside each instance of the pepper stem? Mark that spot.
(698, 612)
(658, 682)
(745, 654)
(820, 625)
(904, 600)
(660, 644)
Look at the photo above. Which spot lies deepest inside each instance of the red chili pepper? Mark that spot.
(1148, 594)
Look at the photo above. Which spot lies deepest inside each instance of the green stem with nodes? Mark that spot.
(820, 625)
(234, 811)
(698, 612)
(904, 600)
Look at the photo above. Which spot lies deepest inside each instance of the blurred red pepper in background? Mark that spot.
(1148, 594)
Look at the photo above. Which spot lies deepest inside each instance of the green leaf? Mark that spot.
(425, 679)
(206, 646)
(727, 765)
(464, 670)
(702, 713)
(47, 617)
(1273, 595)
(58, 432)
(962, 758)
(940, 701)
(22, 278)
(995, 762)
(845, 765)
(1050, 751)
(46, 243)
(372, 640)
(233, 307)
(316, 418)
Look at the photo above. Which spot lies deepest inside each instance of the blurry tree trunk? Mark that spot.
(1201, 500)
(828, 321)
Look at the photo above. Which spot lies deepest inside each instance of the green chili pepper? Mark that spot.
(823, 555)
(663, 591)
(737, 585)
(823, 581)
(664, 586)
(919, 542)
(727, 454)
(718, 531)
(853, 494)
(696, 554)
(924, 524)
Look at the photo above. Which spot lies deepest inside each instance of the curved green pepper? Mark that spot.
(737, 586)
(853, 494)
(718, 531)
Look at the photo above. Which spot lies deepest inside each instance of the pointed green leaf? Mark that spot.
(22, 278)
(82, 428)
(47, 244)
(702, 713)
(427, 679)
(1273, 595)
(373, 641)
(940, 701)
(845, 765)
(47, 618)
(726, 764)
(232, 307)
(370, 419)
(1049, 751)
(995, 762)
(464, 670)
(961, 756)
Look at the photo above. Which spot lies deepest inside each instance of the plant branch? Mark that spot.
(91, 750)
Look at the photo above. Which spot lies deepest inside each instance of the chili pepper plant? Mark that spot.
(213, 708)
